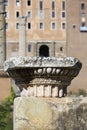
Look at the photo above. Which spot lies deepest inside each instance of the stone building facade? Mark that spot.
(77, 38)
(45, 27)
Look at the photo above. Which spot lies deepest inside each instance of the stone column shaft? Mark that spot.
(22, 36)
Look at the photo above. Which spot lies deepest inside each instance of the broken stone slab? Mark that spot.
(41, 76)
(32, 113)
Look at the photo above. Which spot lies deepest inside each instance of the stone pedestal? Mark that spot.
(32, 113)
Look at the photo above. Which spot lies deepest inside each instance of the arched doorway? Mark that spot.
(44, 51)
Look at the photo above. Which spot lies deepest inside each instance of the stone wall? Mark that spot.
(77, 40)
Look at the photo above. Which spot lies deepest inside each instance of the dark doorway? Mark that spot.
(44, 51)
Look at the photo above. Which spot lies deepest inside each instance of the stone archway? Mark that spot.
(44, 51)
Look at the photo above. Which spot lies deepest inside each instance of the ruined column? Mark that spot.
(43, 77)
(41, 81)
(22, 36)
(2, 34)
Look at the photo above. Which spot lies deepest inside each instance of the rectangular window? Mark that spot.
(17, 14)
(29, 2)
(53, 25)
(6, 2)
(63, 14)
(17, 25)
(63, 5)
(53, 14)
(82, 6)
(53, 5)
(29, 48)
(83, 14)
(29, 25)
(41, 26)
(83, 18)
(83, 27)
(41, 5)
(63, 25)
(6, 14)
(6, 25)
(29, 15)
(41, 14)
(17, 2)
(61, 49)
(41, 11)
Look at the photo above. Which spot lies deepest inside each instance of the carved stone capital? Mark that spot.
(50, 76)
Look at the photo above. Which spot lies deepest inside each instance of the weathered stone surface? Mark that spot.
(40, 62)
(50, 76)
(50, 114)
(31, 114)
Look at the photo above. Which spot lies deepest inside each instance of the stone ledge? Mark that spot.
(40, 62)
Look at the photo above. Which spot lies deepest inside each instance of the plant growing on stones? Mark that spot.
(80, 92)
(6, 110)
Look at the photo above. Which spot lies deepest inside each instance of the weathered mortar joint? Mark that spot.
(43, 77)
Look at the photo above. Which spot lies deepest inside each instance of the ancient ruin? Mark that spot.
(41, 76)
(41, 80)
